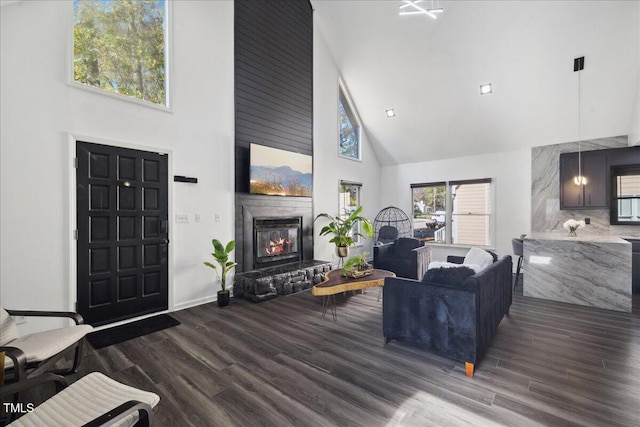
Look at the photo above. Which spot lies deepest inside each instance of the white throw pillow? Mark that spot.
(478, 257)
(443, 264)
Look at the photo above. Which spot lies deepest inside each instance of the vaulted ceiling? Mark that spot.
(430, 72)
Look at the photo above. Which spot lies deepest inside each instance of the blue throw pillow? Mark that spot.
(448, 276)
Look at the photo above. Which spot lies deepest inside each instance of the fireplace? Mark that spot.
(266, 213)
(276, 241)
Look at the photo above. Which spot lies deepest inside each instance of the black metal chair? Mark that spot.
(389, 224)
(518, 249)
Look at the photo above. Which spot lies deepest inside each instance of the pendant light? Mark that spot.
(578, 65)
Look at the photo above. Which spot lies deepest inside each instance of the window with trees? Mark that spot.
(349, 202)
(348, 128)
(120, 46)
(429, 208)
(454, 212)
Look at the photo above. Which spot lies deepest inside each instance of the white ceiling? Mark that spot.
(430, 72)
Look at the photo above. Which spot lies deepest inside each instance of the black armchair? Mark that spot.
(406, 257)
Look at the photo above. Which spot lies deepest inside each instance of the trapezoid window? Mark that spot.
(348, 129)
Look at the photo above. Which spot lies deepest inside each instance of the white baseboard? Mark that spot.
(193, 303)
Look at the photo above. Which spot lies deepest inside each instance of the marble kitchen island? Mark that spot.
(586, 270)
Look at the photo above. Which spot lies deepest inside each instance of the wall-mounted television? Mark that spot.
(278, 172)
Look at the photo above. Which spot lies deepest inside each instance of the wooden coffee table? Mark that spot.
(334, 283)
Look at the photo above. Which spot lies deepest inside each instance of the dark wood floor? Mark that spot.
(279, 363)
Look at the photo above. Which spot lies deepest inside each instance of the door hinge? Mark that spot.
(75, 162)
(75, 234)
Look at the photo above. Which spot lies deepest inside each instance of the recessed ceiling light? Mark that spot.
(391, 113)
(485, 89)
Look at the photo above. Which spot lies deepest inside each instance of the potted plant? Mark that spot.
(221, 255)
(357, 266)
(342, 230)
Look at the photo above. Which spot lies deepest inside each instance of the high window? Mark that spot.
(348, 128)
(454, 212)
(349, 202)
(120, 46)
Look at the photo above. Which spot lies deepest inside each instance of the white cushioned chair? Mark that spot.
(39, 352)
(93, 400)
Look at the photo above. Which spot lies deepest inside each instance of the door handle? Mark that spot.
(164, 232)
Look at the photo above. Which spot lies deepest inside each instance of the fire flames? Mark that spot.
(279, 246)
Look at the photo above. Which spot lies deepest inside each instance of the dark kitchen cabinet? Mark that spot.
(635, 265)
(592, 195)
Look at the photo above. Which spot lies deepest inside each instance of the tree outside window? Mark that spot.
(119, 46)
(349, 129)
(349, 202)
(429, 208)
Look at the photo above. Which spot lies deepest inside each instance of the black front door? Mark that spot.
(122, 211)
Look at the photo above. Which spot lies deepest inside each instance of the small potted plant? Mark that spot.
(342, 230)
(357, 266)
(572, 225)
(221, 255)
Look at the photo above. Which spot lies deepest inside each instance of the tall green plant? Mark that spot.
(342, 229)
(221, 255)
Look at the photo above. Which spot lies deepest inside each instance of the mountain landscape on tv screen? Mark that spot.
(281, 180)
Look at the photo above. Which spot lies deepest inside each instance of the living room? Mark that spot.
(43, 116)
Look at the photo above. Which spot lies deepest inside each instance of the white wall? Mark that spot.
(634, 128)
(511, 175)
(40, 112)
(328, 167)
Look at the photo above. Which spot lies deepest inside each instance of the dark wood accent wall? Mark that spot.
(273, 79)
(273, 42)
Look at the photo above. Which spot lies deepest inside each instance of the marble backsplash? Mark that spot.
(545, 191)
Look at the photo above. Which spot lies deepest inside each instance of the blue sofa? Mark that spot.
(454, 320)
